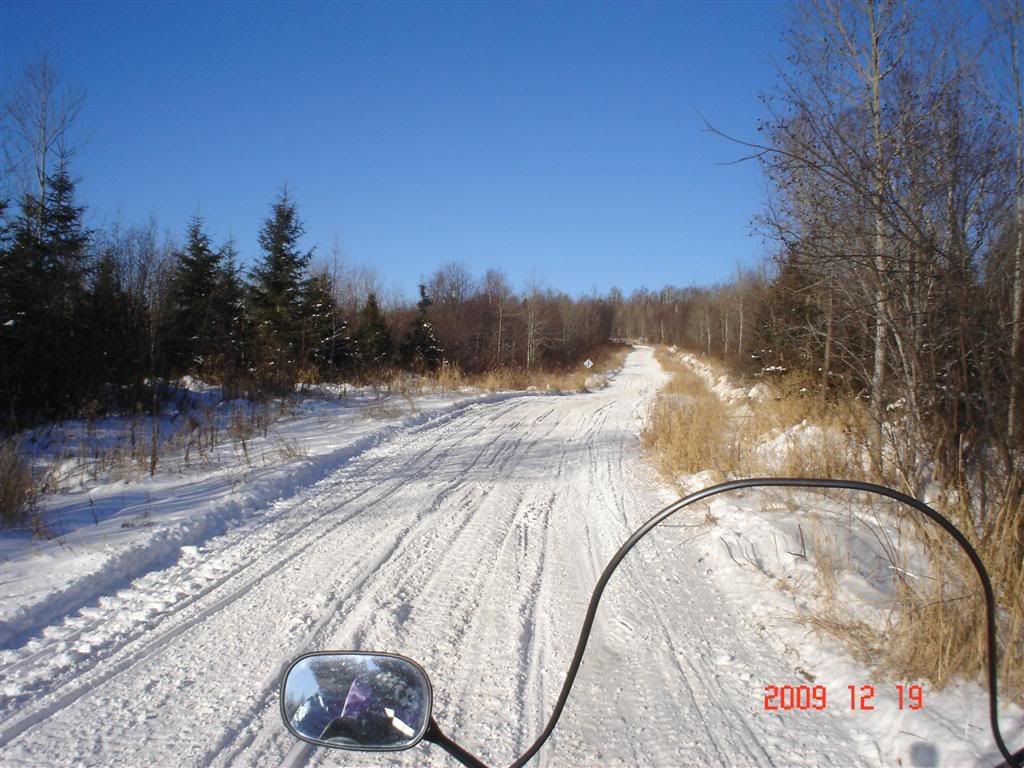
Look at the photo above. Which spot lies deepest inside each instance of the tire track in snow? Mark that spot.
(135, 562)
(471, 546)
(12, 728)
(58, 641)
(360, 589)
(462, 582)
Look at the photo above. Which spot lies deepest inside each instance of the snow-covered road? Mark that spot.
(471, 543)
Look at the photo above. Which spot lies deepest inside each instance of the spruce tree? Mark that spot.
(276, 294)
(420, 348)
(231, 321)
(43, 264)
(22, 299)
(373, 337)
(326, 345)
(193, 337)
(110, 319)
(65, 240)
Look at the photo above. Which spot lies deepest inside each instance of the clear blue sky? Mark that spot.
(559, 140)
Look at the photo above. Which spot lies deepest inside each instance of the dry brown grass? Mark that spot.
(607, 358)
(825, 557)
(936, 626)
(689, 429)
(684, 381)
(389, 408)
(938, 630)
(449, 378)
(935, 630)
(810, 435)
(861, 638)
(289, 449)
(18, 490)
(692, 430)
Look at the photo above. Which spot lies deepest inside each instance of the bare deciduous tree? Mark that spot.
(38, 115)
(1007, 21)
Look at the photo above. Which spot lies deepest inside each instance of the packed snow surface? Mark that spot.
(468, 537)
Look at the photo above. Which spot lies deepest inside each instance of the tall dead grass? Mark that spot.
(792, 432)
(938, 631)
(689, 430)
(18, 489)
(449, 378)
(605, 359)
(936, 628)
(797, 432)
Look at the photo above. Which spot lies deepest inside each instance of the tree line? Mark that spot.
(92, 321)
(894, 152)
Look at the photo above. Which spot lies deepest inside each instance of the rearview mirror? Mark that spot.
(376, 702)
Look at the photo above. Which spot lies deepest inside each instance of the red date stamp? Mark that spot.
(784, 698)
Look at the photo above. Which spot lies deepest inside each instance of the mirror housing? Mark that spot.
(374, 702)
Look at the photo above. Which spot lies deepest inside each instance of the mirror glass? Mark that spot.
(368, 701)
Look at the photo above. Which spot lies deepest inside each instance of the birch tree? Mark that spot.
(38, 115)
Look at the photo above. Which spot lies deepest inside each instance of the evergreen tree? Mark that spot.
(6, 225)
(65, 243)
(111, 320)
(420, 348)
(327, 346)
(373, 337)
(193, 338)
(22, 298)
(276, 294)
(64, 240)
(232, 328)
(43, 264)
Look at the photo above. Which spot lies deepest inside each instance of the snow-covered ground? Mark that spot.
(115, 522)
(466, 532)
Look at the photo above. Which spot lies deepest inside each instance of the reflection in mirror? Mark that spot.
(366, 701)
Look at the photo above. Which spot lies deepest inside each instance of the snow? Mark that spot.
(749, 540)
(465, 531)
(719, 383)
(759, 393)
(756, 539)
(800, 437)
(113, 531)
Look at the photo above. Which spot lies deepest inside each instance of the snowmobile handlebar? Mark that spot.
(427, 728)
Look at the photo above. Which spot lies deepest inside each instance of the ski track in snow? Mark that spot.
(469, 543)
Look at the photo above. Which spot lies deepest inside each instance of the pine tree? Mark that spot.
(373, 338)
(64, 239)
(276, 294)
(65, 242)
(420, 348)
